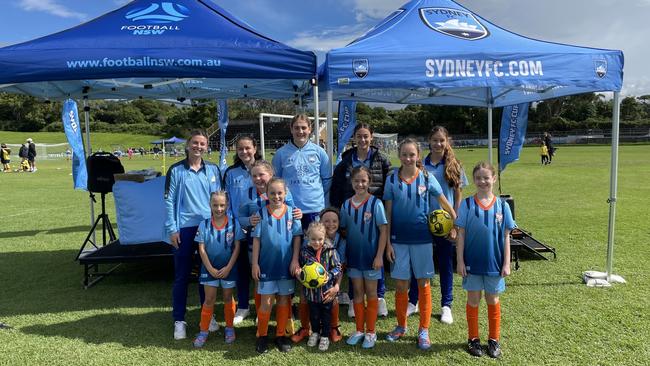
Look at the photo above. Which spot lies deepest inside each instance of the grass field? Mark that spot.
(549, 316)
(98, 140)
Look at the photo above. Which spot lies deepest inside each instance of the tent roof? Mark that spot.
(438, 52)
(157, 49)
(171, 140)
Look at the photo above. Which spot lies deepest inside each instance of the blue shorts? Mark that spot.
(279, 287)
(489, 284)
(372, 274)
(418, 257)
(219, 283)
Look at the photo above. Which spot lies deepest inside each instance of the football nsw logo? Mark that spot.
(454, 22)
(360, 68)
(155, 19)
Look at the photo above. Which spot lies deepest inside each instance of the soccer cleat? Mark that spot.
(412, 309)
(301, 334)
(355, 338)
(335, 334)
(240, 315)
(396, 334)
(344, 299)
(262, 344)
(324, 344)
(200, 339)
(423, 339)
(283, 344)
(474, 347)
(229, 335)
(214, 326)
(350, 310)
(369, 340)
(313, 339)
(445, 315)
(382, 310)
(494, 348)
(180, 330)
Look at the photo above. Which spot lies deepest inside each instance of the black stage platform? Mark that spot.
(522, 241)
(116, 253)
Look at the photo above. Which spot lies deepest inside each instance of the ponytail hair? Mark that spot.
(453, 167)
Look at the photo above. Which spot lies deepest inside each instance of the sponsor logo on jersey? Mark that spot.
(422, 189)
(456, 23)
(289, 225)
(229, 237)
(367, 216)
(499, 218)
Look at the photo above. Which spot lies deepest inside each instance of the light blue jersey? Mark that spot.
(340, 244)
(484, 234)
(411, 202)
(219, 244)
(362, 224)
(307, 172)
(252, 202)
(438, 171)
(276, 243)
(237, 181)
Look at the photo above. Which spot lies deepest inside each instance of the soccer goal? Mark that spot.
(386, 142)
(43, 151)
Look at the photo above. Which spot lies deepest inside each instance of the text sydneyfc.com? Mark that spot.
(481, 68)
(141, 62)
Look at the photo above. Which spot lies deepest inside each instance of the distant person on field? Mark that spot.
(543, 152)
(31, 154)
(549, 146)
(5, 157)
(130, 153)
(68, 154)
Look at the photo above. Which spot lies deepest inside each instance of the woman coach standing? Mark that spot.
(188, 187)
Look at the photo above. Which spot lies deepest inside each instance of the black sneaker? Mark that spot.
(261, 346)
(474, 347)
(283, 344)
(494, 348)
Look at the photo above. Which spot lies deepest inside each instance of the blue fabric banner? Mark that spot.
(222, 115)
(70, 118)
(513, 132)
(347, 122)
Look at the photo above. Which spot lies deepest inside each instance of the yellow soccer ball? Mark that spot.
(440, 222)
(313, 275)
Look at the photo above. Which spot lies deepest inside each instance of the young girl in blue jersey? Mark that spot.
(306, 168)
(407, 193)
(276, 244)
(218, 239)
(364, 219)
(320, 250)
(237, 181)
(483, 253)
(329, 217)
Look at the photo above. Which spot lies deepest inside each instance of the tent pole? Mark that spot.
(262, 136)
(316, 115)
(613, 184)
(89, 151)
(490, 134)
(330, 129)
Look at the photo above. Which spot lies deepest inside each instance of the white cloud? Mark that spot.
(326, 39)
(51, 7)
(375, 9)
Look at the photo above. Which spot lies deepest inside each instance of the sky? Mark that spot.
(320, 25)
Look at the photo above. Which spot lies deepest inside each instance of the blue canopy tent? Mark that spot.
(438, 52)
(169, 141)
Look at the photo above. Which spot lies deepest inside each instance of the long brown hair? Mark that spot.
(453, 167)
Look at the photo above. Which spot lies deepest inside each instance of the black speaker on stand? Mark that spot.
(101, 169)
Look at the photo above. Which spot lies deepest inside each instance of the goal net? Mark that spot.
(43, 151)
(386, 142)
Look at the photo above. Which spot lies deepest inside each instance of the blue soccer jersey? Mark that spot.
(276, 243)
(411, 202)
(219, 244)
(438, 171)
(362, 225)
(237, 181)
(484, 234)
(252, 202)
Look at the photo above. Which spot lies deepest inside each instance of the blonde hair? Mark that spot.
(265, 165)
(316, 226)
(276, 180)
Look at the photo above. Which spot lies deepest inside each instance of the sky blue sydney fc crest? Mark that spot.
(360, 68)
(159, 13)
(454, 22)
(600, 67)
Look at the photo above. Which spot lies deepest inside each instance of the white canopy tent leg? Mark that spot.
(89, 152)
(316, 115)
(262, 136)
(330, 129)
(490, 134)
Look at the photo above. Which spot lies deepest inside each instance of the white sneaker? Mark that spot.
(350, 310)
(344, 299)
(240, 315)
(412, 309)
(445, 315)
(313, 339)
(324, 344)
(214, 326)
(180, 331)
(382, 310)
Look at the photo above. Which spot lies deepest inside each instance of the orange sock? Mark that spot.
(371, 315)
(401, 304)
(494, 321)
(258, 301)
(335, 315)
(424, 304)
(263, 322)
(206, 317)
(281, 317)
(229, 313)
(472, 321)
(359, 316)
(303, 313)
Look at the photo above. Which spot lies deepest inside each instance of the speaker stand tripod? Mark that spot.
(107, 227)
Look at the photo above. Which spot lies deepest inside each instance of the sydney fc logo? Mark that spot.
(600, 66)
(159, 13)
(454, 22)
(360, 68)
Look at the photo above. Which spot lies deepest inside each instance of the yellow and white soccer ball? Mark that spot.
(440, 222)
(313, 275)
